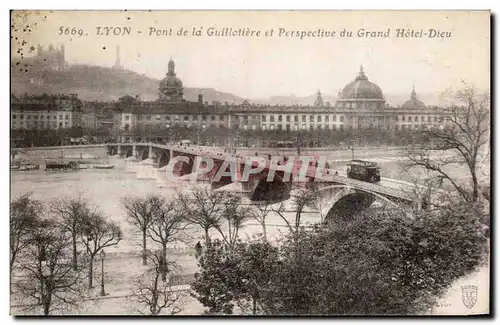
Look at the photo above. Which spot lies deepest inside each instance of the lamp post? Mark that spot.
(297, 141)
(351, 147)
(102, 256)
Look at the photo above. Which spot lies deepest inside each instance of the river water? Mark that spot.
(105, 188)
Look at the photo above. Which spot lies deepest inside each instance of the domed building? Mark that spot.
(414, 103)
(361, 94)
(361, 105)
(171, 88)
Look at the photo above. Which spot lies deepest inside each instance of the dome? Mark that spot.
(171, 88)
(171, 82)
(362, 88)
(413, 103)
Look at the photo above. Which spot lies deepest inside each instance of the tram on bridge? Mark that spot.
(366, 171)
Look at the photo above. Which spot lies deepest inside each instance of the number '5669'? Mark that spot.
(70, 31)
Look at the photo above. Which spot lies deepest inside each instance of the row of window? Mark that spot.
(282, 118)
(176, 117)
(416, 119)
(42, 125)
(414, 127)
(126, 127)
(35, 117)
(319, 118)
(294, 127)
(289, 127)
(359, 105)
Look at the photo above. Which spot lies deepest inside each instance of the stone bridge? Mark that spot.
(340, 195)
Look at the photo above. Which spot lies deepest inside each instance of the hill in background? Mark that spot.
(101, 84)
(95, 83)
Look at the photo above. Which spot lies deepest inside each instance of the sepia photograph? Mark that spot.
(250, 163)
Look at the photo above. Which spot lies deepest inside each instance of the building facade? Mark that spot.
(45, 112)
(360, 105)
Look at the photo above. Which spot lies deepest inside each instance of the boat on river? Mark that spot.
(61, 166)
(29, 167)
(103, 166)
(24, 167)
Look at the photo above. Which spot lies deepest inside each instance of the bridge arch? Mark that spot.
(163, 158)
(143, 153)
(347, 200)
(181, 168)
(277, 190)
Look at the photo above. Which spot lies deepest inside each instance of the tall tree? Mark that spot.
(301, 198)
(465, 133)
(155, 294)
(49, 277)
(233, 215)
(71, 212)
(236, 277)
(379, 262)
(24, 214)
(259, 211)
(259, 262)
(216, 285)
(97, 234)
(139, 215)
(203, 207)
(167, 224)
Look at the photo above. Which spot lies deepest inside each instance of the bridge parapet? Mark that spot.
(323, 175)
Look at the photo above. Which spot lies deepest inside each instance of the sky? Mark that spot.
(259, 67)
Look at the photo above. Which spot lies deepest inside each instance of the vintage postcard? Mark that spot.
(250, 163)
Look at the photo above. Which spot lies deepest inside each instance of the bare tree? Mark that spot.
(152, 292)
(260, 210)
(139, 215)
(167, 224)
(49, 278)
(71, 212)
(24, 213)
(301, 198)
(97, 234)
(465, 134)
(425, 191)
(233, 215)
(203, 208)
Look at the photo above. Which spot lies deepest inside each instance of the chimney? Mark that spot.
(200, 98)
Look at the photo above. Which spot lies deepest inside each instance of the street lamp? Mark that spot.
(297, 141)
(351, 147)
(102, 256)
